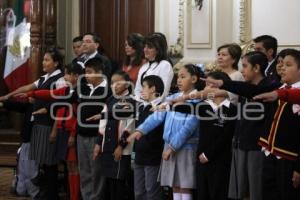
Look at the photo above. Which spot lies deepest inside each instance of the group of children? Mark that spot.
(196, 139)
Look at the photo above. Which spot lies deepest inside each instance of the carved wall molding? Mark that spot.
(245, 21)
(204, 20)
(177, 49)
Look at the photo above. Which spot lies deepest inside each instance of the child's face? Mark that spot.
(49, 65)
(279, 65)
(70, 78)
(118, 84)
(147, 92)
(248, 71)
(129, 50)
(150, 53)
(92, 76)
(77, 48)
(224, 59)
(185, 80)
(290, 72)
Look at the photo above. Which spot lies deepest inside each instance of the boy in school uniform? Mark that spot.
(148, 149)
(281, 174)
(91, 100)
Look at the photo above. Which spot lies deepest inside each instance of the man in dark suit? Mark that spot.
(268, 45)
(90, 47)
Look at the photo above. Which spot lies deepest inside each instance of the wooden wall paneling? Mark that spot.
(50, 23)
(35, 61)
(113, 20)
(106, 25)
(140, 16)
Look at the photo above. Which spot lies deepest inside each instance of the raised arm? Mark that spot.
(23, 89)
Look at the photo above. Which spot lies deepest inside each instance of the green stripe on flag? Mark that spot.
(18, 9)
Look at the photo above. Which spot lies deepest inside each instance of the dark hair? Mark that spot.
(77, 39)
(268, 42)
(74, 68)
(235, 52)
(157, 82)
(257, 58)
(96, 64)
(136, 41)
(96, 39)
(219, 75)
(295, 54)
(56, 56)
(196, 71)
(157, 42)
(126, 77)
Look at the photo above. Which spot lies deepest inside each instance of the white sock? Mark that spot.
(177, 196)
(186, 196)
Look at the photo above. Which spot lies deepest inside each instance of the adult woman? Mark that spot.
(134, 59)
(227, 59)
(156, 55)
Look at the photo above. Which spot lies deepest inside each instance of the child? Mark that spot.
(26, 169)
(217, 119)
(118, 118)
(41, 149)
(181, 135)
(149, 148)
(280, 169)
(281, 178)
(66, 126)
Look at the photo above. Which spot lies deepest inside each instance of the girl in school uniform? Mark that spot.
(42, 143)
(117, 121)
(181, 135)
(65, 126)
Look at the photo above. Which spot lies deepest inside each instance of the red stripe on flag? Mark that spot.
(18, 77)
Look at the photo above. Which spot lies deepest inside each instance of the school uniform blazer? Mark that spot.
(283, 137)
(217, 126)
(251, 122)
(181, 130)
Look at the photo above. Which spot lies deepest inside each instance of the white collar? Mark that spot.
(294, 85)
(46, 76)
(214, 106)
(102, 84)
(269, 65)
(91, 55)
(154, 102)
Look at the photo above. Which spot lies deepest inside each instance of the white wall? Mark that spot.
(279, 18)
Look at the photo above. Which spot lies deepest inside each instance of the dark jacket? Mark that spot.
(45, 119)
(217, 128)
(283, 138)
(252, 121)
(148, 149)
(117, 109)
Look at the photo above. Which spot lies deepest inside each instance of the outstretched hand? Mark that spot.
(94, 118)
(213, 82)
(21, 95)
(267, 97)
(136, 135)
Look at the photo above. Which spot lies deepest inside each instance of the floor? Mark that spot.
(6, 177)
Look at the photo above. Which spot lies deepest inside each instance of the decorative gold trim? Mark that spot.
(245, 21)
(190, 44)
(177, 49)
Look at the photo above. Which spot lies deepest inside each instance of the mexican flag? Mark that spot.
(16, 70)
